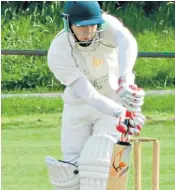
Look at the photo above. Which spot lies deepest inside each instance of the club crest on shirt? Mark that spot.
(97, 62)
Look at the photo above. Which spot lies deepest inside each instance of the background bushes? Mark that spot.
(33, 25)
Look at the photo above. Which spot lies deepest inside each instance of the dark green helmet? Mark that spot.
(83, 13)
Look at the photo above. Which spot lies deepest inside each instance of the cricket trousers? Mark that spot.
(79, 122)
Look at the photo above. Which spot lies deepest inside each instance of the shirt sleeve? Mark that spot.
(127, 51)
(95, 99)
(124, 42)
(63, 66)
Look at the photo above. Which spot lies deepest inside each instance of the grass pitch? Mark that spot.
(31, 130)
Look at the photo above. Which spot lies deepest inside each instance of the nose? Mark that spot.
(88, 32)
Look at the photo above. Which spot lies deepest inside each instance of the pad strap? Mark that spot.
(63, 175)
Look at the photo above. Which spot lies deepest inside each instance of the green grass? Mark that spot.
(25, 146)
(159, 104)
(30, 106)
(31, 130)
(25, 143)
(40, 25)
(35, 90)
(37, 105)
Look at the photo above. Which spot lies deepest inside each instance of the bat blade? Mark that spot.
(119, 166)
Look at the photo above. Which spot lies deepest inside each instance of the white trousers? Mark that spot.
(79, 122)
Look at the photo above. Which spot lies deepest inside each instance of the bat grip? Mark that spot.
(125, 136)
(126, 122)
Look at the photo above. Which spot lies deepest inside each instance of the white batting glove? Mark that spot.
(130, 95)
(131, 123)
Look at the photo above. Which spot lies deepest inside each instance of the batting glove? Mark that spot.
(131, 123)
(130, 96)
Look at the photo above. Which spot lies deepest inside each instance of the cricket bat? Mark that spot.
(120, 163)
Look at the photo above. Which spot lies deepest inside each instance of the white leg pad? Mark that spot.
(94, 162)
(63, 175)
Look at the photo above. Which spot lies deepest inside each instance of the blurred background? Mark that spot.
(33, 25)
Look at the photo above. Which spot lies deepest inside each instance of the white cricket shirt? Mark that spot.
(114, 57)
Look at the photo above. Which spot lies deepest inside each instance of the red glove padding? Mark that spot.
(131, 123)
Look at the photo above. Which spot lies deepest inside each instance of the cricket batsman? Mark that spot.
(93, 56)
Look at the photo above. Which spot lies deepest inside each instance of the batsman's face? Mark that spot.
(84, 33)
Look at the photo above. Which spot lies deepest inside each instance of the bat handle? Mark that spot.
(125, 136)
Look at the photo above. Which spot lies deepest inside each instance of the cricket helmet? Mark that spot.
(83, 13)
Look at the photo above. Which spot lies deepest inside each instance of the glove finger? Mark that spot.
(132, 107)
(134, 131)
(138, 94)
(130, 102)
(134, 99)
(135, 91)
(137, 124)
(139, 115)
(139, 118)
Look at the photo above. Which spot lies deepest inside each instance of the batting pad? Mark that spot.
(94, 162)
(63, 175)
